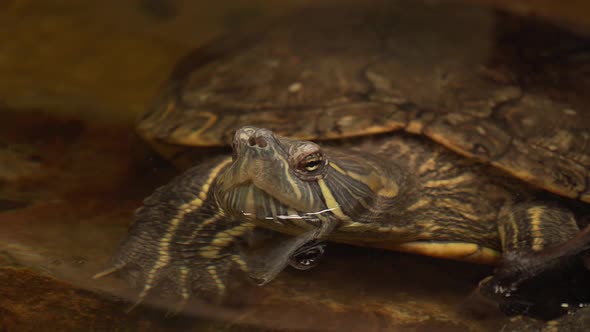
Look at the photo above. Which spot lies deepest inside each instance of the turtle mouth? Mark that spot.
(251, 147)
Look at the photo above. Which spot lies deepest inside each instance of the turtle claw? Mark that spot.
(178, 308)
(108, 271)
(134, 305)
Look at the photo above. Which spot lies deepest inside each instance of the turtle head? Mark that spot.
(293, 184)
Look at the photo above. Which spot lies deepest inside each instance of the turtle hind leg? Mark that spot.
(542, 245)
(537, 237)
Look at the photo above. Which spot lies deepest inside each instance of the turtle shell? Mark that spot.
(509, 91)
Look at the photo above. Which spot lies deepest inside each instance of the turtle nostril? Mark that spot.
(261, 142)
(257, 141)
(251, 141)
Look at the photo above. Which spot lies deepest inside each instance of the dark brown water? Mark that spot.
(74, 77)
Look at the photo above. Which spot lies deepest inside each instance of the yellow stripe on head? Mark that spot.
(331, 202)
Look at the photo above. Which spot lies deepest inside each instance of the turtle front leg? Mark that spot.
(536, 238)
(182, 243)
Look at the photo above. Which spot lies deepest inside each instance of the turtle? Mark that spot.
(353, 123)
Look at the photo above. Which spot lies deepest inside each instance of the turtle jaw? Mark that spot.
(244, 152)
(255, 151)
(261, 179)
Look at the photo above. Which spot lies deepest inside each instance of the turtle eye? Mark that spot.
(311, 162)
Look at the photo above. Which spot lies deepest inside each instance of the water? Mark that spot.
(75, 76)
